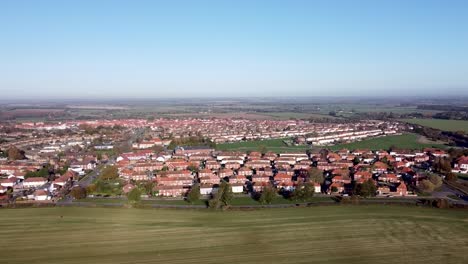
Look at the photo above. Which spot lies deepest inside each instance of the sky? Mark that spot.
(173, 49)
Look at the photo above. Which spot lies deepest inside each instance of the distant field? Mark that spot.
(446, 125)
(406, 141)
(331, 234)
(275, 145)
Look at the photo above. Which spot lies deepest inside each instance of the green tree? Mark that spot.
(109, 172)
(316, 175)
(134, 196)
(367, 188)
(194, 194)
(268, 194)
(223, 197)
(78, 192)
(193, 168)
(356, 160)
(303, 192)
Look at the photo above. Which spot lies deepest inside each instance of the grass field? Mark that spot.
(275, 145)
(405, 141)
(332, 234)
(445, 125)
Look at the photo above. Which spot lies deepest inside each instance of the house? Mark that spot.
(205, 173)
(209, 179)
(244, 171)
(34, 182)
(207, 189)
(383, 190)
(260, 178)
(282, 178)
(10, 182)
(170, 191)
(461, 165)
(379, 167)
(317, 188)
(237, 188)
(41, 195)
(237, 179)
(365, 175)
(341, 179)
(402, 190)
(390, 177)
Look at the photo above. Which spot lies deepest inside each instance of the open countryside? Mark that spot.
(333, 234)
(442, 124)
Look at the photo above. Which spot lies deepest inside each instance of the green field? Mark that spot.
(275, 145)
(331, 234)
(445, 125)
(405, 141)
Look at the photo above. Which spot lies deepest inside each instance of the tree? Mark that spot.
(91, 188)
(193, 168)
(134, 196)
(268, 194)
(442, 165)
(15, 154)
(303, 192)
(426, 186)
(109, 172)
(316, 175)
(194, 194)
(148, 187)
(223, 197)
(356, 160)
(436, 180)
(226, 194)
(451, 176)
(78, 192)
(367, 188)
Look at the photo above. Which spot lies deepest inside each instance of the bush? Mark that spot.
(78, 192)
(134, 196)
(267, 196)
(194, 194)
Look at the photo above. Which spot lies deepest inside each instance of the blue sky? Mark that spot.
(151, 49)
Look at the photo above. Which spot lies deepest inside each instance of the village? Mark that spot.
(44, 164)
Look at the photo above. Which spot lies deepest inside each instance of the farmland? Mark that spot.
(407, 141)
(445, 125)
(331, 234)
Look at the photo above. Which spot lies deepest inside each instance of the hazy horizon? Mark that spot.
(239, 49)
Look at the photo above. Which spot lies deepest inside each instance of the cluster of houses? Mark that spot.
(13, 178)
(232, 130)
(175, 173)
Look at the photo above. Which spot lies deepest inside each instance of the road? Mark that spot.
(91, 177)
(447, 190)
